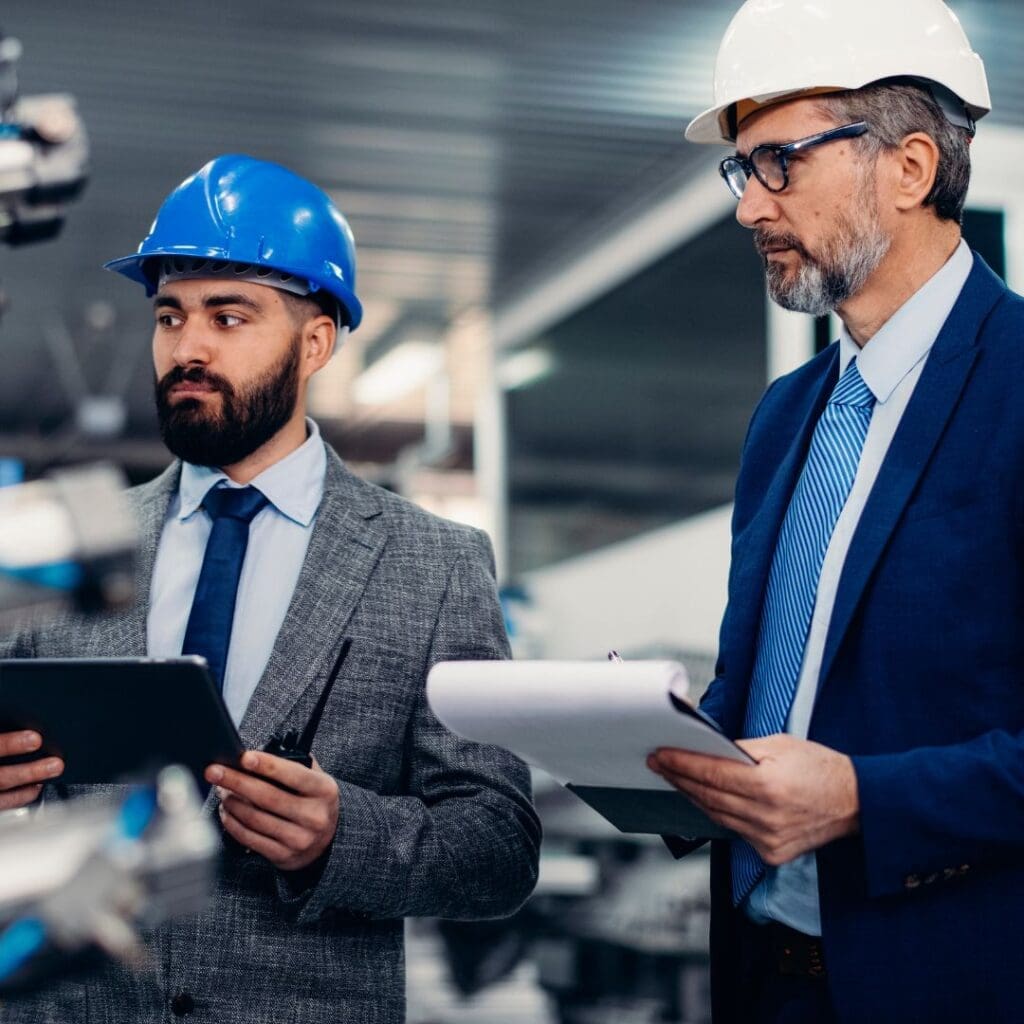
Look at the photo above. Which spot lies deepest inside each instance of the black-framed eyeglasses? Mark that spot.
(770, 163)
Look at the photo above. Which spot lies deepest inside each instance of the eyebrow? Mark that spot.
(211, 302)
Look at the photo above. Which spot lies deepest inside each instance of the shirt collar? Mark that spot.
(294, 485)
(908, 335)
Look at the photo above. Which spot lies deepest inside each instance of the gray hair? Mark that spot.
(896, 109)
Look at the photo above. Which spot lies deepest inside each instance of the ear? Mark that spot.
(318, 337)
(917, 164)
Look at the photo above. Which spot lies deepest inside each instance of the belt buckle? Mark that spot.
(797, 955)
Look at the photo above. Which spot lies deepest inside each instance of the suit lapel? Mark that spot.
(935, 397)
(751, 571)
(347, 542)
(124, 634)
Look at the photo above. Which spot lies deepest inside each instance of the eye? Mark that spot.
(228, 320)
(168, 320)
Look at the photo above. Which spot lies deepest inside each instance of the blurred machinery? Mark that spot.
(79, 881)
(67, 540)
(43, 156)
(617, 931)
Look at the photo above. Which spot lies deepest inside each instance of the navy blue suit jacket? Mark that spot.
(922, 681)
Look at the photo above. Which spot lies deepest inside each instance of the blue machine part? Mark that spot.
(21, 941)
(12, 471)
(56, 575)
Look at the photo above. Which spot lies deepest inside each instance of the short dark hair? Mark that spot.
(304, 307)
(897, 108)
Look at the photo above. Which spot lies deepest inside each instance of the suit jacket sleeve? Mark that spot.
(942, 809)
(463, 841)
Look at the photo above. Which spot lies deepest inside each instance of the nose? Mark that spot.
(757, 205)
(192, 345)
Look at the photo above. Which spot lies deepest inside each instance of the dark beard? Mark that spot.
(247, 420)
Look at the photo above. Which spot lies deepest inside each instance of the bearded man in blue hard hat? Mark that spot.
(262, 553)
(871, 656)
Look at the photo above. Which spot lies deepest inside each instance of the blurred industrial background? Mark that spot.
(565, 335)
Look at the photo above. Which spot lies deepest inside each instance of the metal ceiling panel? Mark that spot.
(470, 142)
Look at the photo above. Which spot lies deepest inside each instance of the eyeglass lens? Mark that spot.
(769, 169)
(735, 175)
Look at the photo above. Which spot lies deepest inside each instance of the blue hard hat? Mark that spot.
(242, 210)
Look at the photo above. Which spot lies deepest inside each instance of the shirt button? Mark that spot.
(182, 1004)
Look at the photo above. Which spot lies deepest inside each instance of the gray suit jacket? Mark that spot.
(430, 824)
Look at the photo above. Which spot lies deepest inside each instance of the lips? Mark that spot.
(772, 245)
(191, 389)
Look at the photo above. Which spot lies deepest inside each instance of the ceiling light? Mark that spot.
(524, 368)
(404, 368)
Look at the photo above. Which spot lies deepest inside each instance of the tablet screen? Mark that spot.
(118, 719)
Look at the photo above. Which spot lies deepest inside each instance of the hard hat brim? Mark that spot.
(706, 127)
(133, 267)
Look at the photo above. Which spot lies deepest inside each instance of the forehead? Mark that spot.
(782, 123)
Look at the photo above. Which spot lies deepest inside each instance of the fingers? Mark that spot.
(311, 811)
(744, 813)
(22, 797)
(277, 853)
(767, 746)
(291, 836)
(15, 776)
(307, 781)
(256, 791)
(12, 743)
(716, 772)
(296, 777)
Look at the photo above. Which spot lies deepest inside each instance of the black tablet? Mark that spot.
(115, 719)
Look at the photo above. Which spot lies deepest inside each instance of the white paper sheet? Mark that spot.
(589, 723)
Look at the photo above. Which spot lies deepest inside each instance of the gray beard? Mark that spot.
(824, 282)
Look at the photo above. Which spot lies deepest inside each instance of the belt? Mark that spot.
(794, 953)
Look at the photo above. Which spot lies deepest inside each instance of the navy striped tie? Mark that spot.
(819, 497)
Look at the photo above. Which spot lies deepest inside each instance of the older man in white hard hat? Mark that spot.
(872, 655)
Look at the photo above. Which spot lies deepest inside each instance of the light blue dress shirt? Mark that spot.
(278, 538)
(891, 364)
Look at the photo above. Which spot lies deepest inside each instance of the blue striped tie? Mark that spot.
(819, 497)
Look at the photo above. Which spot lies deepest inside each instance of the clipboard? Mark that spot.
(590, 725)
(115, 719)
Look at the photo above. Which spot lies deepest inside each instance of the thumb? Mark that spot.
(763, 746)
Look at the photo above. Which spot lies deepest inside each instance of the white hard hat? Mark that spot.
(782, 49)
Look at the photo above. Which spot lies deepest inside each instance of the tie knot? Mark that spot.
(851, 389)
(234, 502)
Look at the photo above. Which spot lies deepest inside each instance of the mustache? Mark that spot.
(765, 240)
(193, 375)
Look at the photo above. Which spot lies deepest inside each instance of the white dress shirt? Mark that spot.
(278, 538)
(890, 364)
